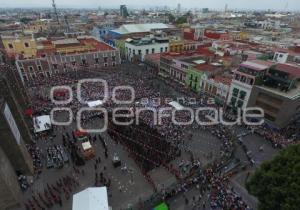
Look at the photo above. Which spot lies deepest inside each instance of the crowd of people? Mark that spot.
(276, 137)
(54, 194)
(209, 181)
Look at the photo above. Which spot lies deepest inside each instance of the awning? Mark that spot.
(176, 105)
(86, 145)
(95, 103)
(162, 206)
(79, 133)
(92, 198)
(41, 123)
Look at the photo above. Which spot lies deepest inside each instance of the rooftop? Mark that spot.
(69, 46)
(140, 28)
(290, 69)
(223, 79)
(257, 65)
(154, 58)
(291, 94)
(207, 67)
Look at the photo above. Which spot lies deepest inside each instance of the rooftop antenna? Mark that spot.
(55, 11)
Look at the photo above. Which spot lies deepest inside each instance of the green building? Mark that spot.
(193, 79)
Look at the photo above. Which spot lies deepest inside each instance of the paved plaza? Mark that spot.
(130, 187)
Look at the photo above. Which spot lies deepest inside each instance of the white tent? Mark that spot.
(92, 198)
(176, 105)
(86, 145)
(95, 103)
(41, 123)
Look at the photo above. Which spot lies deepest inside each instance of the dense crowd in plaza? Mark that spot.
(209, 182)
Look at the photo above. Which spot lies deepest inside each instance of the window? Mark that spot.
(233, 100)
(161, 49)
(242, 94)
(153, 50)
(55, 66)
(114, 64)
(113, 58)
(251, 81)
(240, 103)
(140, 52)
(133, 52)
(30, 69)
(39, 68)
(22, 70)
(184, 66)
(25, 78)
(105, 64)
(166, 49)
(105, 59)
(147, 51)
(83, 61)
(26, 44)
(10, 46)
(235, 92)
(97, 60)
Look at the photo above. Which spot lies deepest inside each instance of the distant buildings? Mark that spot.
(102, 32)
(57, 56)
(123, 11)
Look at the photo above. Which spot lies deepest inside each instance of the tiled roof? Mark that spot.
(290, 69)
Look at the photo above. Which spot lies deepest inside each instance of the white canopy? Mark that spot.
(86, 145)
(41, 123)
(95, 103)
(92, 198)
(176, 105)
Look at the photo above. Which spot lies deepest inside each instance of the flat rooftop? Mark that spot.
(73, 45)
(257, 65)
(292, 94)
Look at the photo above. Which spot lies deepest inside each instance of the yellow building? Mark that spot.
(176, 46)
(14, 46)
(238, 35)
(36, 27)
(180, 46)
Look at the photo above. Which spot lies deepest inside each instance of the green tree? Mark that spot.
(25, 20)
(276, 183)
(171, 18)
(181, 20)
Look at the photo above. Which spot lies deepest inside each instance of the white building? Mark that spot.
(280, 57)
(244, 79)
(138, 48)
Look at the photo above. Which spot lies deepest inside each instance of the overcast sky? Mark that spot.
(216, 4)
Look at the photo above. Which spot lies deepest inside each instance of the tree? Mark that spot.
(25, 20)
(181, 20)
(171, 18)
(276, 183)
